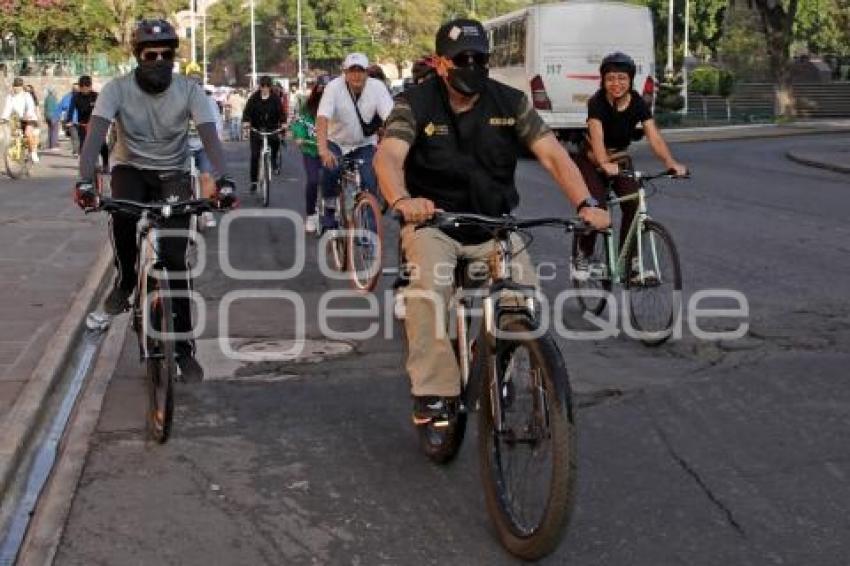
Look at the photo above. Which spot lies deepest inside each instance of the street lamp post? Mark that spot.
(194, 28)
(204, 41)
(669, 67)
(686, 58)
(253, 50)
(300, 52)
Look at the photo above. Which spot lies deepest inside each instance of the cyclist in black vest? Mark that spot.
(452, 143)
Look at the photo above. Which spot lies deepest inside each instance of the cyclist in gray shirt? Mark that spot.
(151, 108)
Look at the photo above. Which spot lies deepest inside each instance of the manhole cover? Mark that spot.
(292, 350)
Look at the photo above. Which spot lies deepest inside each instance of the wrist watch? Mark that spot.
(588, 202)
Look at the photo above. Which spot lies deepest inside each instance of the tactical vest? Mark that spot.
(464, 163)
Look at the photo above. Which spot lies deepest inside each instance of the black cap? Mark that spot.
(461, 35)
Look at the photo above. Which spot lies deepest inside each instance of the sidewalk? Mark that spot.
(721, 133)
(48, 249)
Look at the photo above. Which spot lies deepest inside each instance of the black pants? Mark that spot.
(257, 147)
(104, 149)
(146, 186)
(597, 184)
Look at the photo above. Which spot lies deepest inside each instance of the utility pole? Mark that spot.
(686, 59)
(669, 67)
(253, 50)
(204, 41)
(194, 28)
(300, 53)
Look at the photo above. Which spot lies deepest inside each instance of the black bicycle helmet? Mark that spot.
(618, 61)
(153, 33)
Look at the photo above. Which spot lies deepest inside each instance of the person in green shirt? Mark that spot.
(50, 105)
(304, 133)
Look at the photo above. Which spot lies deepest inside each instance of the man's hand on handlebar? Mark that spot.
(328, 159)
(85, 195)
(598, 218)
(415, 210)
(225, 194)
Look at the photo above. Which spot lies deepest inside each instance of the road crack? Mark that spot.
(702, 483)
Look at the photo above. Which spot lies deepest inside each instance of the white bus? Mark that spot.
(552, 53)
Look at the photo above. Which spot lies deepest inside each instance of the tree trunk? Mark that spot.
(778, 24)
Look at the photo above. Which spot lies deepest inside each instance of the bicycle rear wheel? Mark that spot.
(598, 282)
(528, 465)
(266, 180)
(654, 289)
(160, 362)
(365, 242)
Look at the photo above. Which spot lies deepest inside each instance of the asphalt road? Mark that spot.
(694, 453)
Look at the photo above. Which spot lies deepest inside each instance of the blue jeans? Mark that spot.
(235, 125)
(330, 180)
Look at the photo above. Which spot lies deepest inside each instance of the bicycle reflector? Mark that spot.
(539, 98)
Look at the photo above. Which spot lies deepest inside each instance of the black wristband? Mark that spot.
(588, 202)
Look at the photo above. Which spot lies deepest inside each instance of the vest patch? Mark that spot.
(502, 121)
(435, 129)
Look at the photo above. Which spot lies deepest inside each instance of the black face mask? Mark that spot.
(469, 80)
(154, 77)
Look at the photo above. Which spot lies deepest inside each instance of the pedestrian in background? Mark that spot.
(50, 107)
(65, 116)
(236, 105)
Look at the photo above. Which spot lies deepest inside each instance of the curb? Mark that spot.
(27, 412)
(49, 517)
(794, 156)
(670, 135)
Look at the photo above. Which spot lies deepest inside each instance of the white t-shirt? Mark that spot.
(338, 107)
(22, 105)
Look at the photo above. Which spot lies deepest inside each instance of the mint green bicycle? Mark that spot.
(647, 267)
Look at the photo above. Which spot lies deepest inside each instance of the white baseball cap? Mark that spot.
(355, 60)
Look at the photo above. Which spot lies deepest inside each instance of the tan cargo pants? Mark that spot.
(431, 362)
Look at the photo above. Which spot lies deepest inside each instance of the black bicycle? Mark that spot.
(153, 316)
(513, 371)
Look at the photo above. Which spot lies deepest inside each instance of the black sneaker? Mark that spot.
(117, 301)
(438, 411)
(253, 187)
(190, 370)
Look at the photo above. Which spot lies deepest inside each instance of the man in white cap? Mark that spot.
(352, 110)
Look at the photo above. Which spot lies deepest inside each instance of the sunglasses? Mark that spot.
(151, 56)
(469, 58)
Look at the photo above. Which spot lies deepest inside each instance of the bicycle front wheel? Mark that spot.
(365, 238)
(266, 179)
(527, 442)
(161, 365)
(654, 284)
(16, 161)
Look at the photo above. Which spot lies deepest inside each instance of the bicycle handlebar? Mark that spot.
(643, 176)
(270, 133)
(158, 209)
(509, 223)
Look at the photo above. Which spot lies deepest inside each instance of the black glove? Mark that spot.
(85, 195)
(225, 193)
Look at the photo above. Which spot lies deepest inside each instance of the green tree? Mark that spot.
(778, 17)
(405, 28)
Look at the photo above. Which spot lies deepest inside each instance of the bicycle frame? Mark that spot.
(617, 257)
(147, 244)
